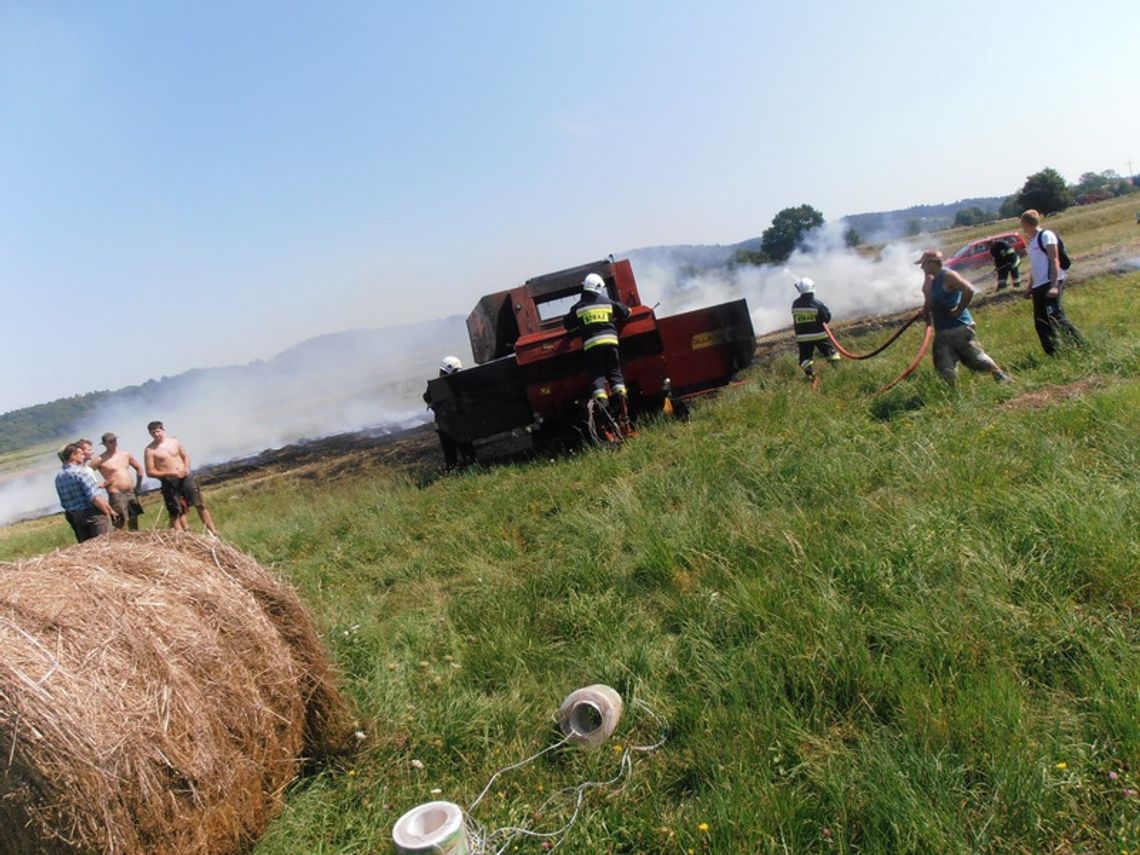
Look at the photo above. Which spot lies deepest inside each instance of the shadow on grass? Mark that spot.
(886, 408)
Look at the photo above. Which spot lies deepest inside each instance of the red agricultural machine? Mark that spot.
(529, 387)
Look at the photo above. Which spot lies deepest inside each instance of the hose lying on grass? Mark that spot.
(914, 362)
(877, 350)
(157, 693)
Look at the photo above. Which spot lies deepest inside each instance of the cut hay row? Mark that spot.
(157, 693)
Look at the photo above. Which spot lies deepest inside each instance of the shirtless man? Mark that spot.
(167, 460)
(122, 492)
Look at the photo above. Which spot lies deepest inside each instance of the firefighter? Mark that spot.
(1006, 263)
(808, 316)
(448, 366)
(596, 318)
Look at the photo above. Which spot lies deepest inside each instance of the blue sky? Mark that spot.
(186, 185)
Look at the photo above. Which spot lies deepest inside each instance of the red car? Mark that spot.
(977, 253)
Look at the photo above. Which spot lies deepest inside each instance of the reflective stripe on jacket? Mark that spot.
(596, 318)
(808, 317)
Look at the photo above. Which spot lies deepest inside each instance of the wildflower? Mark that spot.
(1112, 776)
(1130, 793)
(704, 826)
(435, 791)
(352, 773)
(1062, 765)
(360, 735)
(825, 831)
(617, 748)
(417, 764)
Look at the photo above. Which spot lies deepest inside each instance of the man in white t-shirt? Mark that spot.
(1046, 281)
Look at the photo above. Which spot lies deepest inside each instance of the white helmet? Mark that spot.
(805, 286)
(594, 283)
(450, 365)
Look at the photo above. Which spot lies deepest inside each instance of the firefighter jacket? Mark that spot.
(596, 318)
(808, 316)
(1003, 254)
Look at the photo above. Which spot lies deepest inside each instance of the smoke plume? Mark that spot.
(852, 285)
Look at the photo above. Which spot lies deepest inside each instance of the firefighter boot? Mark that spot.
(809, 369)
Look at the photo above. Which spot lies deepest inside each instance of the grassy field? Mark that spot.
(883, 624)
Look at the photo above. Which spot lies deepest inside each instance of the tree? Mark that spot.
(852, 238)
(1045, 191)
(749, 256)
(1010, 208)
(970, 217)
(787, 231)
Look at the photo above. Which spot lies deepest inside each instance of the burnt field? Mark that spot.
(414, 452)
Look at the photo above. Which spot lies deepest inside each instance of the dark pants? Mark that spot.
(1007, 271)
(88, 523)
(809, 347)
(1050, 321)
(602, 363)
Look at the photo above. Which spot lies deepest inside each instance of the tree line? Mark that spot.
(51, 422)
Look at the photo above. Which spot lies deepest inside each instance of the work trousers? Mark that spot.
(959, 344)
(603, 363)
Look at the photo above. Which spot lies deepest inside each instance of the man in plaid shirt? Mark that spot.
(84, 501)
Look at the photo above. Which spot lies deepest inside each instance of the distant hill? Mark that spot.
(327, 371)
(888, 225)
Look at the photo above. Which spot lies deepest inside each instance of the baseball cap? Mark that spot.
(107, 437)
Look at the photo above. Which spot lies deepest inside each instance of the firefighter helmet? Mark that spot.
(594, 283)
(450, 365)
(805, 286)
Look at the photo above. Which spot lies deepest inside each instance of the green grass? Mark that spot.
(904, 623)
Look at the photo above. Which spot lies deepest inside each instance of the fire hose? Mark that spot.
(878, 349)
(914, 362)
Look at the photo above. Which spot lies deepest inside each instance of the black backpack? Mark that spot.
(1062, 257)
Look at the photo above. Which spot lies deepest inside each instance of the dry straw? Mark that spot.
(157, 693)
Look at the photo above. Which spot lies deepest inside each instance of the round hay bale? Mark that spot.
(157, 693)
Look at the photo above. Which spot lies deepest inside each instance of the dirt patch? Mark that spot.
(1039, 399)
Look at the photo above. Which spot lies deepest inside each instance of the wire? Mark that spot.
(518, 765)
(481, 841)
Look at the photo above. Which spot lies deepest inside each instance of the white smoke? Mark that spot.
(361, 380)
(852, 284)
